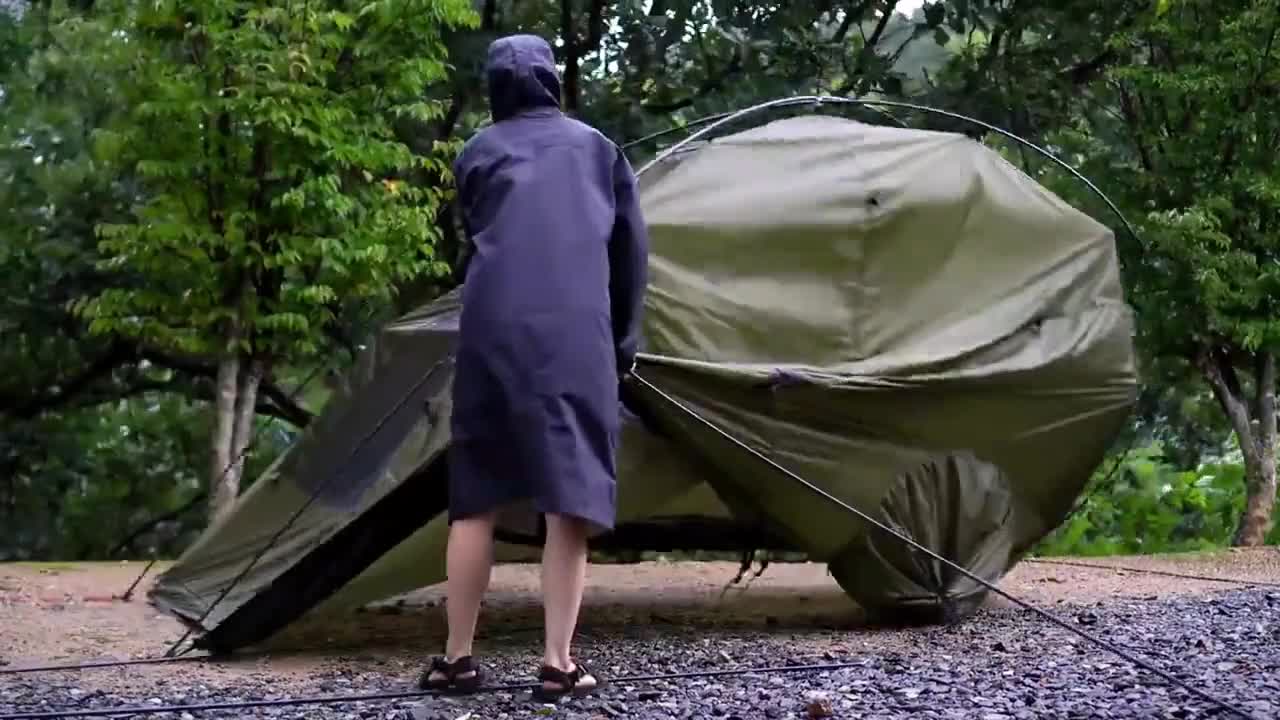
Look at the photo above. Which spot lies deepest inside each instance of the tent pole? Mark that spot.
(714, 122)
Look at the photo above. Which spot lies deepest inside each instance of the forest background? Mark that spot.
(207, 205)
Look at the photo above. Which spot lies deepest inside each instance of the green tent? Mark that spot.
(898, 316)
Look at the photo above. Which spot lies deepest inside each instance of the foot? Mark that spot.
(557, 683)
(458, 676)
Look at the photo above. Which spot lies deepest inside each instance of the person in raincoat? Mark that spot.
(550, 323)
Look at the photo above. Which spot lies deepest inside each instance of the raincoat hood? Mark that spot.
(522, 76)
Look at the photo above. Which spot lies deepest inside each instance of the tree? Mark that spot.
(1172, 106)
(270, 181)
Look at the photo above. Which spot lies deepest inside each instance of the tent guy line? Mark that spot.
(713, 122)
(994, 167)
(242, 654)
(1123, 654)
(1152, 571)
(414, 694)
(345, 556)
(311, 498)
(411, 694)
(1127, 656)
(257, 434)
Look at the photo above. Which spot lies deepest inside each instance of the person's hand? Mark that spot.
(626, 368)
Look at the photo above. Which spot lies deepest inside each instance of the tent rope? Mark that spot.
(1153, 571)
(715, 121)
(708, 124)
(415, 694)
(293, 397)
(409, 694)
(865, 517)
(108, 663)
(315, 493)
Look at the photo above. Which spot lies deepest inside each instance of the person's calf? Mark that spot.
(469, 560)
(564, 567)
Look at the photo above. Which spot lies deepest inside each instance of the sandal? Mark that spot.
(443, 676)
(577, 682)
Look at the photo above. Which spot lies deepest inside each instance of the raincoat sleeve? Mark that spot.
(628, 264)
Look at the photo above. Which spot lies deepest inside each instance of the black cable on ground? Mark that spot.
(315, 493)
(92, 664)
(584, 630)
(407, 694)
(1129, 657)
(1152, 571)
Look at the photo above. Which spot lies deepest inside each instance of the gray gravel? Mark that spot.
(1000, 665)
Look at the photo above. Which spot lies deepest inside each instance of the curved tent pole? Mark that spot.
(717, 116)
(714, 122)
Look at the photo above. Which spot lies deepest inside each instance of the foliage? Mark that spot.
(51, 196)
(265, 141)
(199, 177)
(264, 174)
(1152, 506)
(1171, 105)
(94, 482)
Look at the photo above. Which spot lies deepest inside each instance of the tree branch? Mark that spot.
(674, 31)
(1265, 400)
(710, 85)
(851, 16)
(595, 24)
(1085, 72)
(282, 404)
(1222, 378)
(569, 34)
(117, 354)
(1264, 63)
(1134, 124)
(868, 50)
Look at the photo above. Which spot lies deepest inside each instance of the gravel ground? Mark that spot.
(1000, 665)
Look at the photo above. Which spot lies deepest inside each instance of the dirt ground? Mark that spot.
(61, 613)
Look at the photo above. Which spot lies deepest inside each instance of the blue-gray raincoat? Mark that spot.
(551, 302)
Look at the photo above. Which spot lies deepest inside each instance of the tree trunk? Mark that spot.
(237, 399)
(569, 35)
(1261, 485)
(224, 484)
(1257, 442)
(246, 410)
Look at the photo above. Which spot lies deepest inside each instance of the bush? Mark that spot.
(1151, 506)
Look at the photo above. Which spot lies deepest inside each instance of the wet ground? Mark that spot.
(671, 619)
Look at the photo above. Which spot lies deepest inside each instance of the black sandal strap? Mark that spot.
(443, 676)
(567, 681)
(461, 666)
(556, 676)
(451, 670)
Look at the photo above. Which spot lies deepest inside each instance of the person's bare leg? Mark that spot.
(468, 561)
(564, 571)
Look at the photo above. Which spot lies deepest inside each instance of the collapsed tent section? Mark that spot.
(900, 317)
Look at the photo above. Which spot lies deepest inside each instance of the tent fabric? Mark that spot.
(900, 317)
